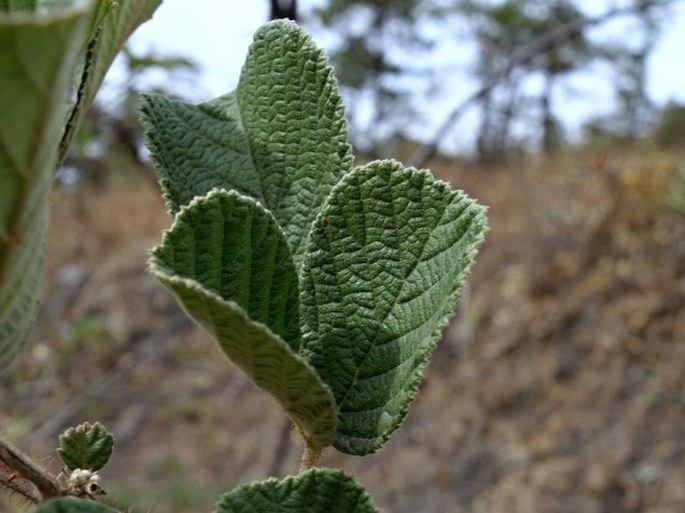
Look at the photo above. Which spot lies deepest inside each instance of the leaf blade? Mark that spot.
(229, 265)
(288, 86)
(313, 491)
(197, 148)
(37, 56)
(87, 446)
(110, 25)
(280, 138)
(386, 262)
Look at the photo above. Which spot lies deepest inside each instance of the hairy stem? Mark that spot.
(23, 467)
(311, 452)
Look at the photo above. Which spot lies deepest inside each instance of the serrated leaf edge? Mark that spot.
(197, 287)
(479, 217)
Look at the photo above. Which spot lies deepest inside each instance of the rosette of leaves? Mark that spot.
(86, 446)
(49, 51)
(328, 284)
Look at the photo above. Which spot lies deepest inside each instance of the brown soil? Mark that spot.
(559, 387)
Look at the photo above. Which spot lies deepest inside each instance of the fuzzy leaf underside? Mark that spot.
(72, 505)
(229, 265)
(313, 491)
(385, 265)
(86, 447)
(109, 26)
(37, 56)
(280, 138)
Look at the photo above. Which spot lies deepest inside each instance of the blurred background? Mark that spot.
(559, 386)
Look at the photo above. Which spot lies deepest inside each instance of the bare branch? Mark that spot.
(520, 57)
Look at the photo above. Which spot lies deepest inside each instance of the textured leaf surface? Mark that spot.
(37, 57)
(72, 505)
(313, 491)
(280, 137)
(230, 266)
(109, 26)
(385, 265)
(87, 446)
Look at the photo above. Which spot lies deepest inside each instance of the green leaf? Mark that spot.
(227, 261)
(109, 26)
(87, 446)
(313, 491)
(386, 262)
(280, 137)
(72, 505)
(37, 56)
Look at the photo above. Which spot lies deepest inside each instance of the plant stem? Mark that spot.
(310, 456)
(311, 452)
(26, 468)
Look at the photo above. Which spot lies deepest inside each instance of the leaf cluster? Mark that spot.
(328, 284)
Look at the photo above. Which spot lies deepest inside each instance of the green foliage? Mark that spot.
(329, 285)
(288, 162)
(313, 491)
(88, 328)
(229, 264)
(385, 265)
(45, 48)
(330, 297)
(37, 58)
(503, 28)
(111, 24)
(669, 130)
(87, 446)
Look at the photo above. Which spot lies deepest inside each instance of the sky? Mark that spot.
(216, 35)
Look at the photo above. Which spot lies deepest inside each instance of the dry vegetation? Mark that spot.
(560, 387)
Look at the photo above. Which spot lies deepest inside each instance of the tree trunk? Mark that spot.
(550, 135)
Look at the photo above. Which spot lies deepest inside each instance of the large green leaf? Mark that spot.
(72, 505)
(313, 491)
(280, 137)
(230, 266)
(37, 56)
(109, 26)
(385, 264)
